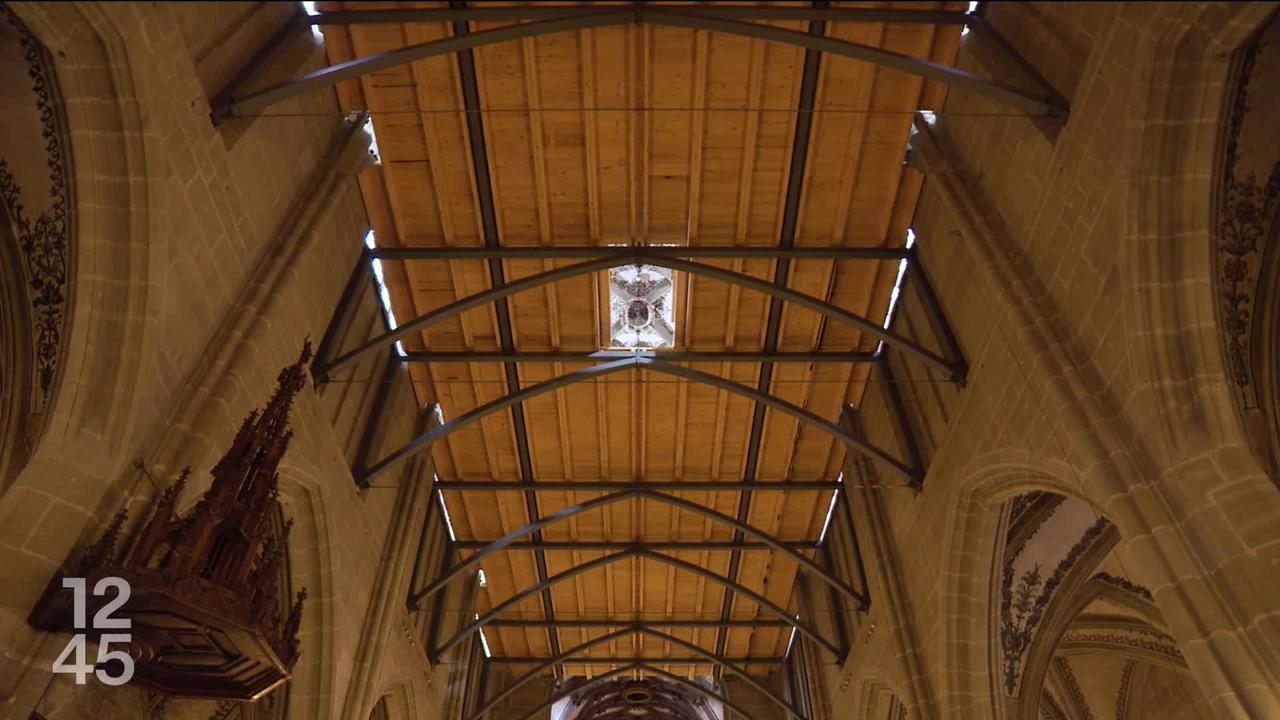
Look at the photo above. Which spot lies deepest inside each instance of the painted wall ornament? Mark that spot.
(1247, 206)
(36, 194)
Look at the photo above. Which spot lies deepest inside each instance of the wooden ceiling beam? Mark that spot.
(547, 12)
(639, 548)
(625, 253)
(423, 442)
(470, 86)
(232, 103)
(652, 545)
(782, 269)
(592, 660)
(555, 356)
(777, 291)
(658, 485)
(734, 586)
(621, 623)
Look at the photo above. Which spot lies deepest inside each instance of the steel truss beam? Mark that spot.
(623, 544)
(501, 290)
(545, 12)
(799, 153)
(779, 611)
(663, 486)
(621, 253)
(470, 87)
(854, 442)
(572, 654)
(713, 356)
(687, 505)
(561, 622)
(614, 660)
(231, 105)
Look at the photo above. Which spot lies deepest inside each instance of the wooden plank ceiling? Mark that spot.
(636, 134)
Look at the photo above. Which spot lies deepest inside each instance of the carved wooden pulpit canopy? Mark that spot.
(205, 611)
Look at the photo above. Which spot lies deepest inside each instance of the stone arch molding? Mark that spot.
(1183, 391)
(115, 260)
(396, 703)
(1182, 402)
(91, 416)
(311, 689)
(878, 699)
(970, 683)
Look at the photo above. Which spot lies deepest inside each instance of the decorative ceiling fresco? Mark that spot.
(1077, 636)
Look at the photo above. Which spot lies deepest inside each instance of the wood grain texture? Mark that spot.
(649, 135)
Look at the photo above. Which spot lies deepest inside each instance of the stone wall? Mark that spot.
(1074, 264)
(207, 254)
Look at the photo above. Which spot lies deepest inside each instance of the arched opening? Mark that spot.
(1076, 634)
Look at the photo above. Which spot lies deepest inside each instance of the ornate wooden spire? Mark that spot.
(211, 575)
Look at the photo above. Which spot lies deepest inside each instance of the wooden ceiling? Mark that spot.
(642, 135)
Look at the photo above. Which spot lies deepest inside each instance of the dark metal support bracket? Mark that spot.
(360, 465)
(777, 610)
(1059, 109)
(857, 443)
(716, 356)
(623, 253)
(359, 275)
(561, 622)
(614, 660)
(937, 318)
(901, 423)
(651, 544)
(572, 510)
(470, 87)
(658, 485)
(227, 95)
(515, 13)
(231, 104)
(847, 511)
